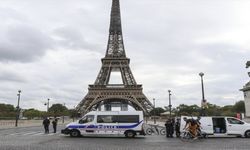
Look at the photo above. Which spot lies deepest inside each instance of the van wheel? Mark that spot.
(75, 133)
(130, 134)
(247, 134)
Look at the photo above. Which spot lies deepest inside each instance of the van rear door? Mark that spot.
(207, 125)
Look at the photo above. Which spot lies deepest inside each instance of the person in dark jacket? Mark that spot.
(172, 127)
(177, 127)
(46, 123)
(168, 126)
(54, 123)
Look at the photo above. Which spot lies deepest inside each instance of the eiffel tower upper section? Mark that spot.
(103, 91)
(115, 58)
(115, 48)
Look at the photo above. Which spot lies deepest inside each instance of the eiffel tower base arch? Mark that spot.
(98, 96)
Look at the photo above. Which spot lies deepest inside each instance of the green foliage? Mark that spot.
(157, 111)
(239, 107)
(32, 113)
(58, 110)
(212, 109)
(73, 113)
(183, 109)
(7, 111)
(6, 108)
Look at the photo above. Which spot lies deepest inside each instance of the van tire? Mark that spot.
(74, 133)
(247, 134)
(130, 134)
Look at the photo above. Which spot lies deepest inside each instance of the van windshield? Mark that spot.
(86, 119)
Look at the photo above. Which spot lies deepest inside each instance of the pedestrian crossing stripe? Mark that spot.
(16, 133)
(32, 134)
(40, 133)
(29, 133)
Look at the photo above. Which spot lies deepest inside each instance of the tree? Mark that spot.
(239, 107)
(73, 113)
(213, 110)
(6, 108)
(58, 110)
(7, 111)
(157, 111)
(193, 110)
(32, 113)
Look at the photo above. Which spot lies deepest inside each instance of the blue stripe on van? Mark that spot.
(130, 126)
(97, 126)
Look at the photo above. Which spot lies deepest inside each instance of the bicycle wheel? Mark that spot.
(204, 135)
(163, 132)
(186, 137)
(149, 131)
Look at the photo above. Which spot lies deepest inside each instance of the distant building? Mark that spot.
(246, 91)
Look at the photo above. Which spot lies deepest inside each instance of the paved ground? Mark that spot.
(6, 124)
(33, 138)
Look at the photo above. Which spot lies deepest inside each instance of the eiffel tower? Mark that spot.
(102, 92)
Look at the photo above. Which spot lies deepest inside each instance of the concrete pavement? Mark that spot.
(6, 124)
(33, 138)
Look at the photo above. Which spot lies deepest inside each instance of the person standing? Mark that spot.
(46, 123)
(168, 127)
(172, 122)
(54, 123)
(177, 127)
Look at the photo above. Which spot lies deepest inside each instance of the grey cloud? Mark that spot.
(9, 14)
(161, 44)
(68, 37)
(8, 76)
(23, 43)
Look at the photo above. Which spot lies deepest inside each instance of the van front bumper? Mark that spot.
(65, 131)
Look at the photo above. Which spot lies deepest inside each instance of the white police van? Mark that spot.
(220, 126)
(128, 123)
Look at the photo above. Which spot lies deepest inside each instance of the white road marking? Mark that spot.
(30, 133)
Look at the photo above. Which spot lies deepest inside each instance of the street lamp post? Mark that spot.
(170, 106)
(17, 107)
(74, 110)
(154, 111)
(63, 114)
(203, 95)
(47, 105)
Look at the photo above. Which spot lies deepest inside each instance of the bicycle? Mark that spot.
(187, 136)
(156, 129)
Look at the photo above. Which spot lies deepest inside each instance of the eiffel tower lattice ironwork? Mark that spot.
(115, 60)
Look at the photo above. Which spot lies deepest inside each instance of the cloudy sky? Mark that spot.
(53, 48)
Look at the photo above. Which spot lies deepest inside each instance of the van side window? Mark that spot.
(234, 121)
(128, 118)
(117, 118)
(86, 119)
(106, 119)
